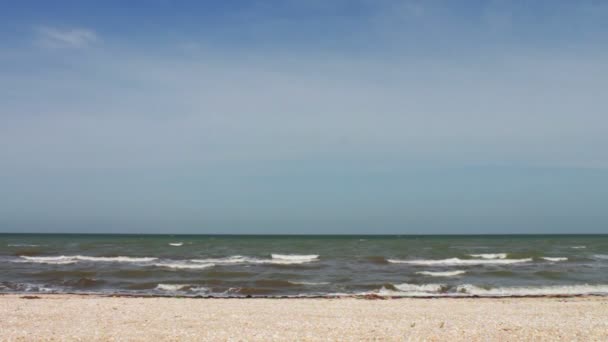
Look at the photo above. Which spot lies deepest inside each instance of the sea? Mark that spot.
(306, 265)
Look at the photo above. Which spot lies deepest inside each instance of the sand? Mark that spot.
(96, 318)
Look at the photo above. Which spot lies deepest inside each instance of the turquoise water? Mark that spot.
(305, 265)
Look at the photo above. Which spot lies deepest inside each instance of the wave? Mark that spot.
(176, 244)
(294, 257)
(442, 274)
(600, 256)
(22, 245)
(114, 259)
(419, 288)
(490, 255)
(578, 247)
(26, 287)
(84, 282)
(63, 259)
(410, 290)
(460, 262)
(468, 290)
(308, 283)
(184, 266)
(555, 290)
(555, 259)
(181, 287)
(277, 259)
(47, 260)
(172, 287)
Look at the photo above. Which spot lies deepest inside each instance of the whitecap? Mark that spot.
(22, 245)
(75, 258)
(555, 259)
(172, 287)
(184, 266)
(176, 244)
(410, 290)
(555, 290)
(61, 260)
(442, 274)
(114, 259)
(181, 287)
(308, 283)
(199, 289)
(295, 257)
(490, 255)
(277, 259)
(460, 262)
(600, 256)
(419, 288)
(578, 247)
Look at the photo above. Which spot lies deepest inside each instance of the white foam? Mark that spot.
(460, 262)
(308, 283)
(114, 259)
(294, 257)
(49, 258)
(601, 256)
(238, 259)
(442, 274)
(172, 287)
(578, 247)
(490, 255)
(181, 287)
(63, 259)
(419, 288)
(184, 266)
(555, 259)
(410, 290)
(176, 244)
(22, 245)
(199, 289)
(534, 291)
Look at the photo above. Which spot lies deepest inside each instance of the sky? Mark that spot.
(304, 117)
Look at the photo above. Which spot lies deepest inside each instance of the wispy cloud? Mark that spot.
(65, 38)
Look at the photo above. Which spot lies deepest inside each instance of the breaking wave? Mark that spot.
(460, 262)
(442, 274)
(184, 266)
(308, 283)
(468, 290)
(181, 287)
(294, 257)
(490, 255)
(555, 259)
(556, 290)
(411, 290)
(63, 259)
(277, 259)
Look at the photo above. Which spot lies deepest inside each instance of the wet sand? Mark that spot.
(96, 318)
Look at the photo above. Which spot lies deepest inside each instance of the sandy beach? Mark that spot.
(96, 318)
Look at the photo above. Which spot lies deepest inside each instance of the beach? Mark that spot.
(101, 318)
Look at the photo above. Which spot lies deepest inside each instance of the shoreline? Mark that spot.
(98, 317)
(369, 296)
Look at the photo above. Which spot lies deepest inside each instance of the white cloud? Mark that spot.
(66, 38)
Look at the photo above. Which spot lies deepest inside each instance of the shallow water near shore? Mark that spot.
(239, 266)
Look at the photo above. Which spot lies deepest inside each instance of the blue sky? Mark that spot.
(304, 116)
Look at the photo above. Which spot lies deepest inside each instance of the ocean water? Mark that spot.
(276, 266)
